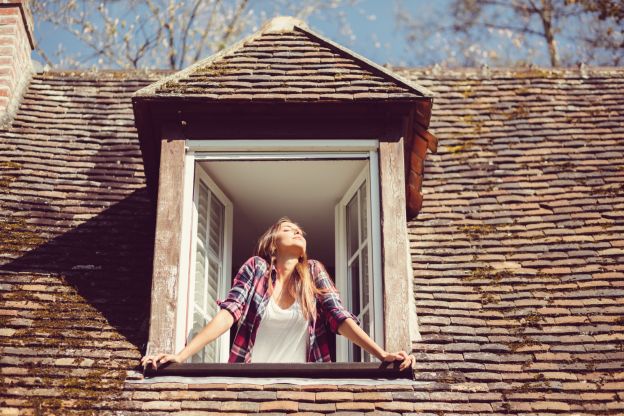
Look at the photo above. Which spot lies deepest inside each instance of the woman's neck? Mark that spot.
(285, 266)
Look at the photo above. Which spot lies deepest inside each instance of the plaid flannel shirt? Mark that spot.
(249, 296)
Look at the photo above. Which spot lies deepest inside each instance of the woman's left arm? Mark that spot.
(343, 322)
(355, 334)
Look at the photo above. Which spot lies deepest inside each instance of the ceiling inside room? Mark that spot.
(304, 190)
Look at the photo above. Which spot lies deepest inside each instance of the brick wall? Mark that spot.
(16, 44)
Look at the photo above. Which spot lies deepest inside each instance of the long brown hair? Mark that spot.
(304, 289)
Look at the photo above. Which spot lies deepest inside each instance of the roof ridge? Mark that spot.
(281, 24)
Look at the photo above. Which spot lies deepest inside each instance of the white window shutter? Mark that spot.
(208, 267)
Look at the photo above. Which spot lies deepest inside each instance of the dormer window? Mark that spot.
(283, 108)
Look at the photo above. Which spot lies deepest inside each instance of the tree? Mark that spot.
(605, 8)
(511, 32)
(160, 33)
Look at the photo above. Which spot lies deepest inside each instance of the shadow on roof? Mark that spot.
(107, 260)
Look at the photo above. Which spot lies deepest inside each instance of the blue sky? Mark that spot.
(372, 22)
(375, 34)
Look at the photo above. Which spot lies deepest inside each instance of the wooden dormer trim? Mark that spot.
(397, 293)
(167, 247)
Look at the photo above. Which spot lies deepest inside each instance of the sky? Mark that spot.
(373, 31)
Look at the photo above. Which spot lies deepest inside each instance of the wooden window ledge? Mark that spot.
(307, 370)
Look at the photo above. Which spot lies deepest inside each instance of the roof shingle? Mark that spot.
(295, 64)
(518, 254)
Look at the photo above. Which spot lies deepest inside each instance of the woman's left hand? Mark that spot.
(407, 360)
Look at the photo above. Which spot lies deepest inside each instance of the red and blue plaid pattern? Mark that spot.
(248, 298)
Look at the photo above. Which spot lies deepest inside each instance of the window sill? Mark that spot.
(307, 370)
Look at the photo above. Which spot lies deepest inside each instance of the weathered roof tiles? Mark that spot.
(518, 256)
(292, 63)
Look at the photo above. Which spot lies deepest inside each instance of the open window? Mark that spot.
(355, 243)
(235, 196)
(210, 260)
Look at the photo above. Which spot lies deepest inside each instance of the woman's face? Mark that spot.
(289, 239)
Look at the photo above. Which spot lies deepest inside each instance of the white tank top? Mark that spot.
(282, 335)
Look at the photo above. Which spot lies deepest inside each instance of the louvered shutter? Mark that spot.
(206, 275)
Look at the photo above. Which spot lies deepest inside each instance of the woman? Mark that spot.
(283, 304)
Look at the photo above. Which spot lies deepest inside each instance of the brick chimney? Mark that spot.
(16, 44)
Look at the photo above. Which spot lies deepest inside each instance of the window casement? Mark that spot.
(216, 202)
(208, 265)
(358, 276)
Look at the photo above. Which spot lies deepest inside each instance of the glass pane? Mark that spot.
(357, 353)
(363, 211)
(364, 282)
(202, 210)
(366, 326)
(212, 290)
(216, 225)
(208, 266)
(207, 354)
(198, 322)
(200, 248)
(354, 280)
(200, 272)
(352, 226)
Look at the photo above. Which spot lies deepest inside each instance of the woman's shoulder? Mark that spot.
(317, 268)
(255, 264)
(256, 259)
(314, 263)
(320, 276)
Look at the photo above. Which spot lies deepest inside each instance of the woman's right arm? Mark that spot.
(222, 322)
(231, 311)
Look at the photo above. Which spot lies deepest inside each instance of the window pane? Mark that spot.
(200, 248)
(363, 211)
(208, 353)
(365, 283)
(216, 225)
(202, 214)
(352, 226)
(208, 265)
(357, 354)
(366, 325)
(354, 280)
(212, 290)
(200, 272)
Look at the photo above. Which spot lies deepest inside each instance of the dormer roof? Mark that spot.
(286, 61)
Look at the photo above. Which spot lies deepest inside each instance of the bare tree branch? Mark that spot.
(232, 25)
(188, 29)
(206, 31)
(509, 32)
(158, 33)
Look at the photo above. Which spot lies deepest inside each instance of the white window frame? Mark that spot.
(197, 150)
(371, 176)
(193, 174)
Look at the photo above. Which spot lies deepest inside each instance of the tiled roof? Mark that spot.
(293, 64)
(518, 254)
(518, 250)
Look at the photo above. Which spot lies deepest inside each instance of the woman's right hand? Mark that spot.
(158, 359)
